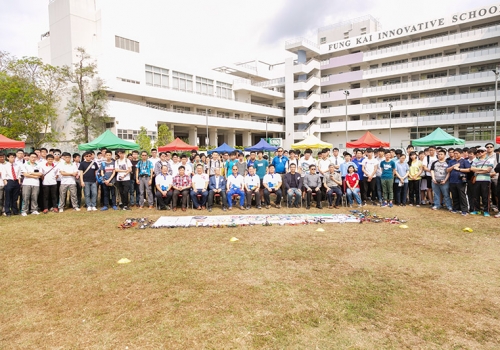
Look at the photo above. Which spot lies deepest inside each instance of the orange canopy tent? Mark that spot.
(6, 143)
(177, 145)
(368, 140)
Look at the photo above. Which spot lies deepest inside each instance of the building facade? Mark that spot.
(399, 83)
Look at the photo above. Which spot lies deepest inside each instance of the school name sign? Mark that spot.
(484, 12)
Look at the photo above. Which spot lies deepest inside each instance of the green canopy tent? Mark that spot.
(109, 141)
(438, 138)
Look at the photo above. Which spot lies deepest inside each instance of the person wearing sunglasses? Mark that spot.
(482, 167)
(235, 183)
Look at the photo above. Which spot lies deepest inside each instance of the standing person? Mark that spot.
(358, 160)
(235, 184)
(49, 184)
(108, 174)
(402, 173)
(261, 166)
(458, 169)
(312, 184)
(2, 164)
(241, 164)
(481, 166)
(134, 187)
(123, 168)
(279, 163)
(230, 162)
(188, 169)
(440, 184)
(68, 172)
(332, 181)
(31, 185)
(387, 178)
(292, 159)
(471, 193)
(306, 161)
(252, 187)
(181, 185)
(199, 186)
(144, 178)
(352, 186)
(423, 181)
(88, 181)
(336, 159)
(427, 163)
(164, 183)
(217, 185)
(293, 186)
(11, 177)
(76, 160)
(369, 168)
(494, 158)
(416, 169)
(214, 163)
(272, 184)
(251, 160)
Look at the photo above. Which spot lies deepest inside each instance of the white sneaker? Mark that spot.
(77, 209)
(94, 209)
(24, 214)
(35, 213)
(88, 208)
(61, 210)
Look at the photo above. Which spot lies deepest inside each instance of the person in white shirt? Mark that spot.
(235, 185)
(49, 184)
(272, 184)
(123, 168)
(175, 164)
(323, 163)
(188, 169)
(11, 177)
(252, 187)
(427, 163)
(306, 161)
(336, 159)
(163, 188)
(68, 172)
(20, 157)
(2, 163)
(369, 184)
(31, 185)
(199, 186)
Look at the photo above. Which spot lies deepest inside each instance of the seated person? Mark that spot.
(272, 184)
(332, 181)
(217, 185)
(235, 183)
(163, 188)
(293, 186)
(252, 187)
(181, 185)
(199, 186)
(312, 184)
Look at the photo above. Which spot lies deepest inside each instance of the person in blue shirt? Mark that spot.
(230, 163)
(358, 161)
(279, 162)
(458, 169)
(388, 169)
(143, 178)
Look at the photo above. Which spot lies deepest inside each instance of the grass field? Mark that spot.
(356, 286)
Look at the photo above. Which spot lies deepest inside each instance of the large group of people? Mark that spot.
(460, 180)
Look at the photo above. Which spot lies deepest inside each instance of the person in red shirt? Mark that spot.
(352, 184)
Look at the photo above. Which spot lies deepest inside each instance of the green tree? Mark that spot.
(88, 98)
(165, 136)
(143, 140)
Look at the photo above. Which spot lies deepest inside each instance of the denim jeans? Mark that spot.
(354, 192)
(297, 193)
(90, 192)
(134, 192)
(442, 189)
(109, 195)
(401, 193)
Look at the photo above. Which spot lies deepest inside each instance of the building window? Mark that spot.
(322, 40)
(204, 86)
(480, 47)
(156, 105)
(156, 76)
(126, 44)
(476, 132)
(125, 134)
(346, 35)
(110, 125)
(128, 80)
(182, 81)
(224, 90)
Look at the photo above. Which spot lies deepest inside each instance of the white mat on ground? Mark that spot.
(237, 220)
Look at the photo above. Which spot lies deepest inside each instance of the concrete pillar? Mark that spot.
(247, 138)
(231, 138)
(212, 135)
(172, 128)
(193, 136)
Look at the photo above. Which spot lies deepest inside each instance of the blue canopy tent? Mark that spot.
(222, 148)
(262, 145)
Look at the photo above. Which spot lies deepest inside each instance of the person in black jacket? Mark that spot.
(293, 186)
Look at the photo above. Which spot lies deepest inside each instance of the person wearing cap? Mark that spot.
(123, 168)
(332, 181)
(481, 167)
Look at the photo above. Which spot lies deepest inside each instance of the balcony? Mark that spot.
(126, 112)
(307, 84)
(434, 63)
(296, 44)
(305, 118)
(438, 101)
(306, 68)
(341, 78)
(306, 102)
(340, 61)
(259, 88)
(339, 95)
(426, 84)
(449, 40)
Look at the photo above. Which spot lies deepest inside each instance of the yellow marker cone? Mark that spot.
(467, 229)
(403, 226)
(320, 230)
(234, 239)
(123, 261)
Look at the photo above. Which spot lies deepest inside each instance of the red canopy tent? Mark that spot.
(177, 145)
(498, 139)
(5, 142)
(368, 140)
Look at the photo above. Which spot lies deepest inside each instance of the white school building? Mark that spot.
(399, 83)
